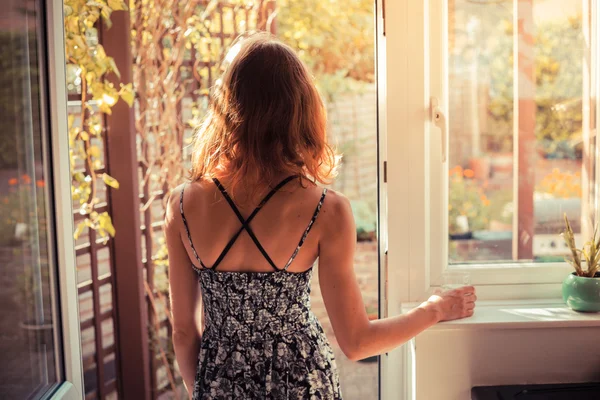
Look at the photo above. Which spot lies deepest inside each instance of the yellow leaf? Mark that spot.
(117, 4)
(93, 151)
(79, 42)
(110, 181)
(105, 223)
(113, 66)
(79, 177)
(109, 99)
(106, 15)
(84, 136)
(95, 127)
(105, 108)
(127, 94)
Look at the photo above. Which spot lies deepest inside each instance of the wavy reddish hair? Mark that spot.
(266, 118)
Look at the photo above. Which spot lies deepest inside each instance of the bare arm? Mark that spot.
(183, 288)
(358, 337)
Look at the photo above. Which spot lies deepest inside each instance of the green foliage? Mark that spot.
(365, 217)
(97, 97)
(558, 54)
(466, 198)
(335, 39)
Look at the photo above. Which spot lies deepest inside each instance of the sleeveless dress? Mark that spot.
(261, 340)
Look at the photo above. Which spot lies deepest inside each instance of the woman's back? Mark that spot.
(278, 226)
(260, 338)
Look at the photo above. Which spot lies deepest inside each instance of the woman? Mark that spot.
(251, 334)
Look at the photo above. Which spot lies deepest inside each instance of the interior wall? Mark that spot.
(448, 363)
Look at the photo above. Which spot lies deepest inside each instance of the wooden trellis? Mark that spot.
(174, 69)
(177, 50)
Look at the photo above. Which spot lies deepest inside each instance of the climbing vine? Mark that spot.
(89, 64)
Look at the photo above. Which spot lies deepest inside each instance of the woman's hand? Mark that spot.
(453, 304)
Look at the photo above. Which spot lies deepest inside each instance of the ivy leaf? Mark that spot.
(113, 66)
(93, 151)
(105, 12)
(79, 177)
(105, 223)
(117, 5)
(95, 125)
(84, 135)
(110, 181)
(127, 94)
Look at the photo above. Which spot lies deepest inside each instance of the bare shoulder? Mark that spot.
(338, 236)
(336, 203)
(192, 194)
(336, 210)
(173, 211)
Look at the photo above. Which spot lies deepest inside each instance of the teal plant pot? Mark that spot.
(582, 294)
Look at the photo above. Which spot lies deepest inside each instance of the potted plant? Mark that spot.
(467, 204)
(581, 289)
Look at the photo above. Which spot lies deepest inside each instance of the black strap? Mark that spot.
(246, 226)
(187, 230)
(246, 222)
(307, 230)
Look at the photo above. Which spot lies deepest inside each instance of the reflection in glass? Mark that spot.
(27, 344)
(517, 135)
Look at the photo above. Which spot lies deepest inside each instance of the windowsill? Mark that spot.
(524, 314)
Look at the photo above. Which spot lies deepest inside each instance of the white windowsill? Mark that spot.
(524, 314)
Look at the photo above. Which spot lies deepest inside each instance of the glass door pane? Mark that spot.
(337, 42)
(521, 128)
(31, 360)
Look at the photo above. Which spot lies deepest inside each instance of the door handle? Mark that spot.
(438, 118)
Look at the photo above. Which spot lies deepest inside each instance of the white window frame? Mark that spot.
(416, 65)
(70, 385)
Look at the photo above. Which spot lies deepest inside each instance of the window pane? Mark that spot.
(29, 354)
(518, 140)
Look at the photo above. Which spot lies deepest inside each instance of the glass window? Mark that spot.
(31, 361)
(521, 128)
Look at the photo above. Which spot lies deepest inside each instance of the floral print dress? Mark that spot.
(261, 340)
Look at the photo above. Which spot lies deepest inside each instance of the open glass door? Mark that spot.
(40, 340)
(336, 39)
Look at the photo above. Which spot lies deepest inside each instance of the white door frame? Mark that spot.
(71, 385)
